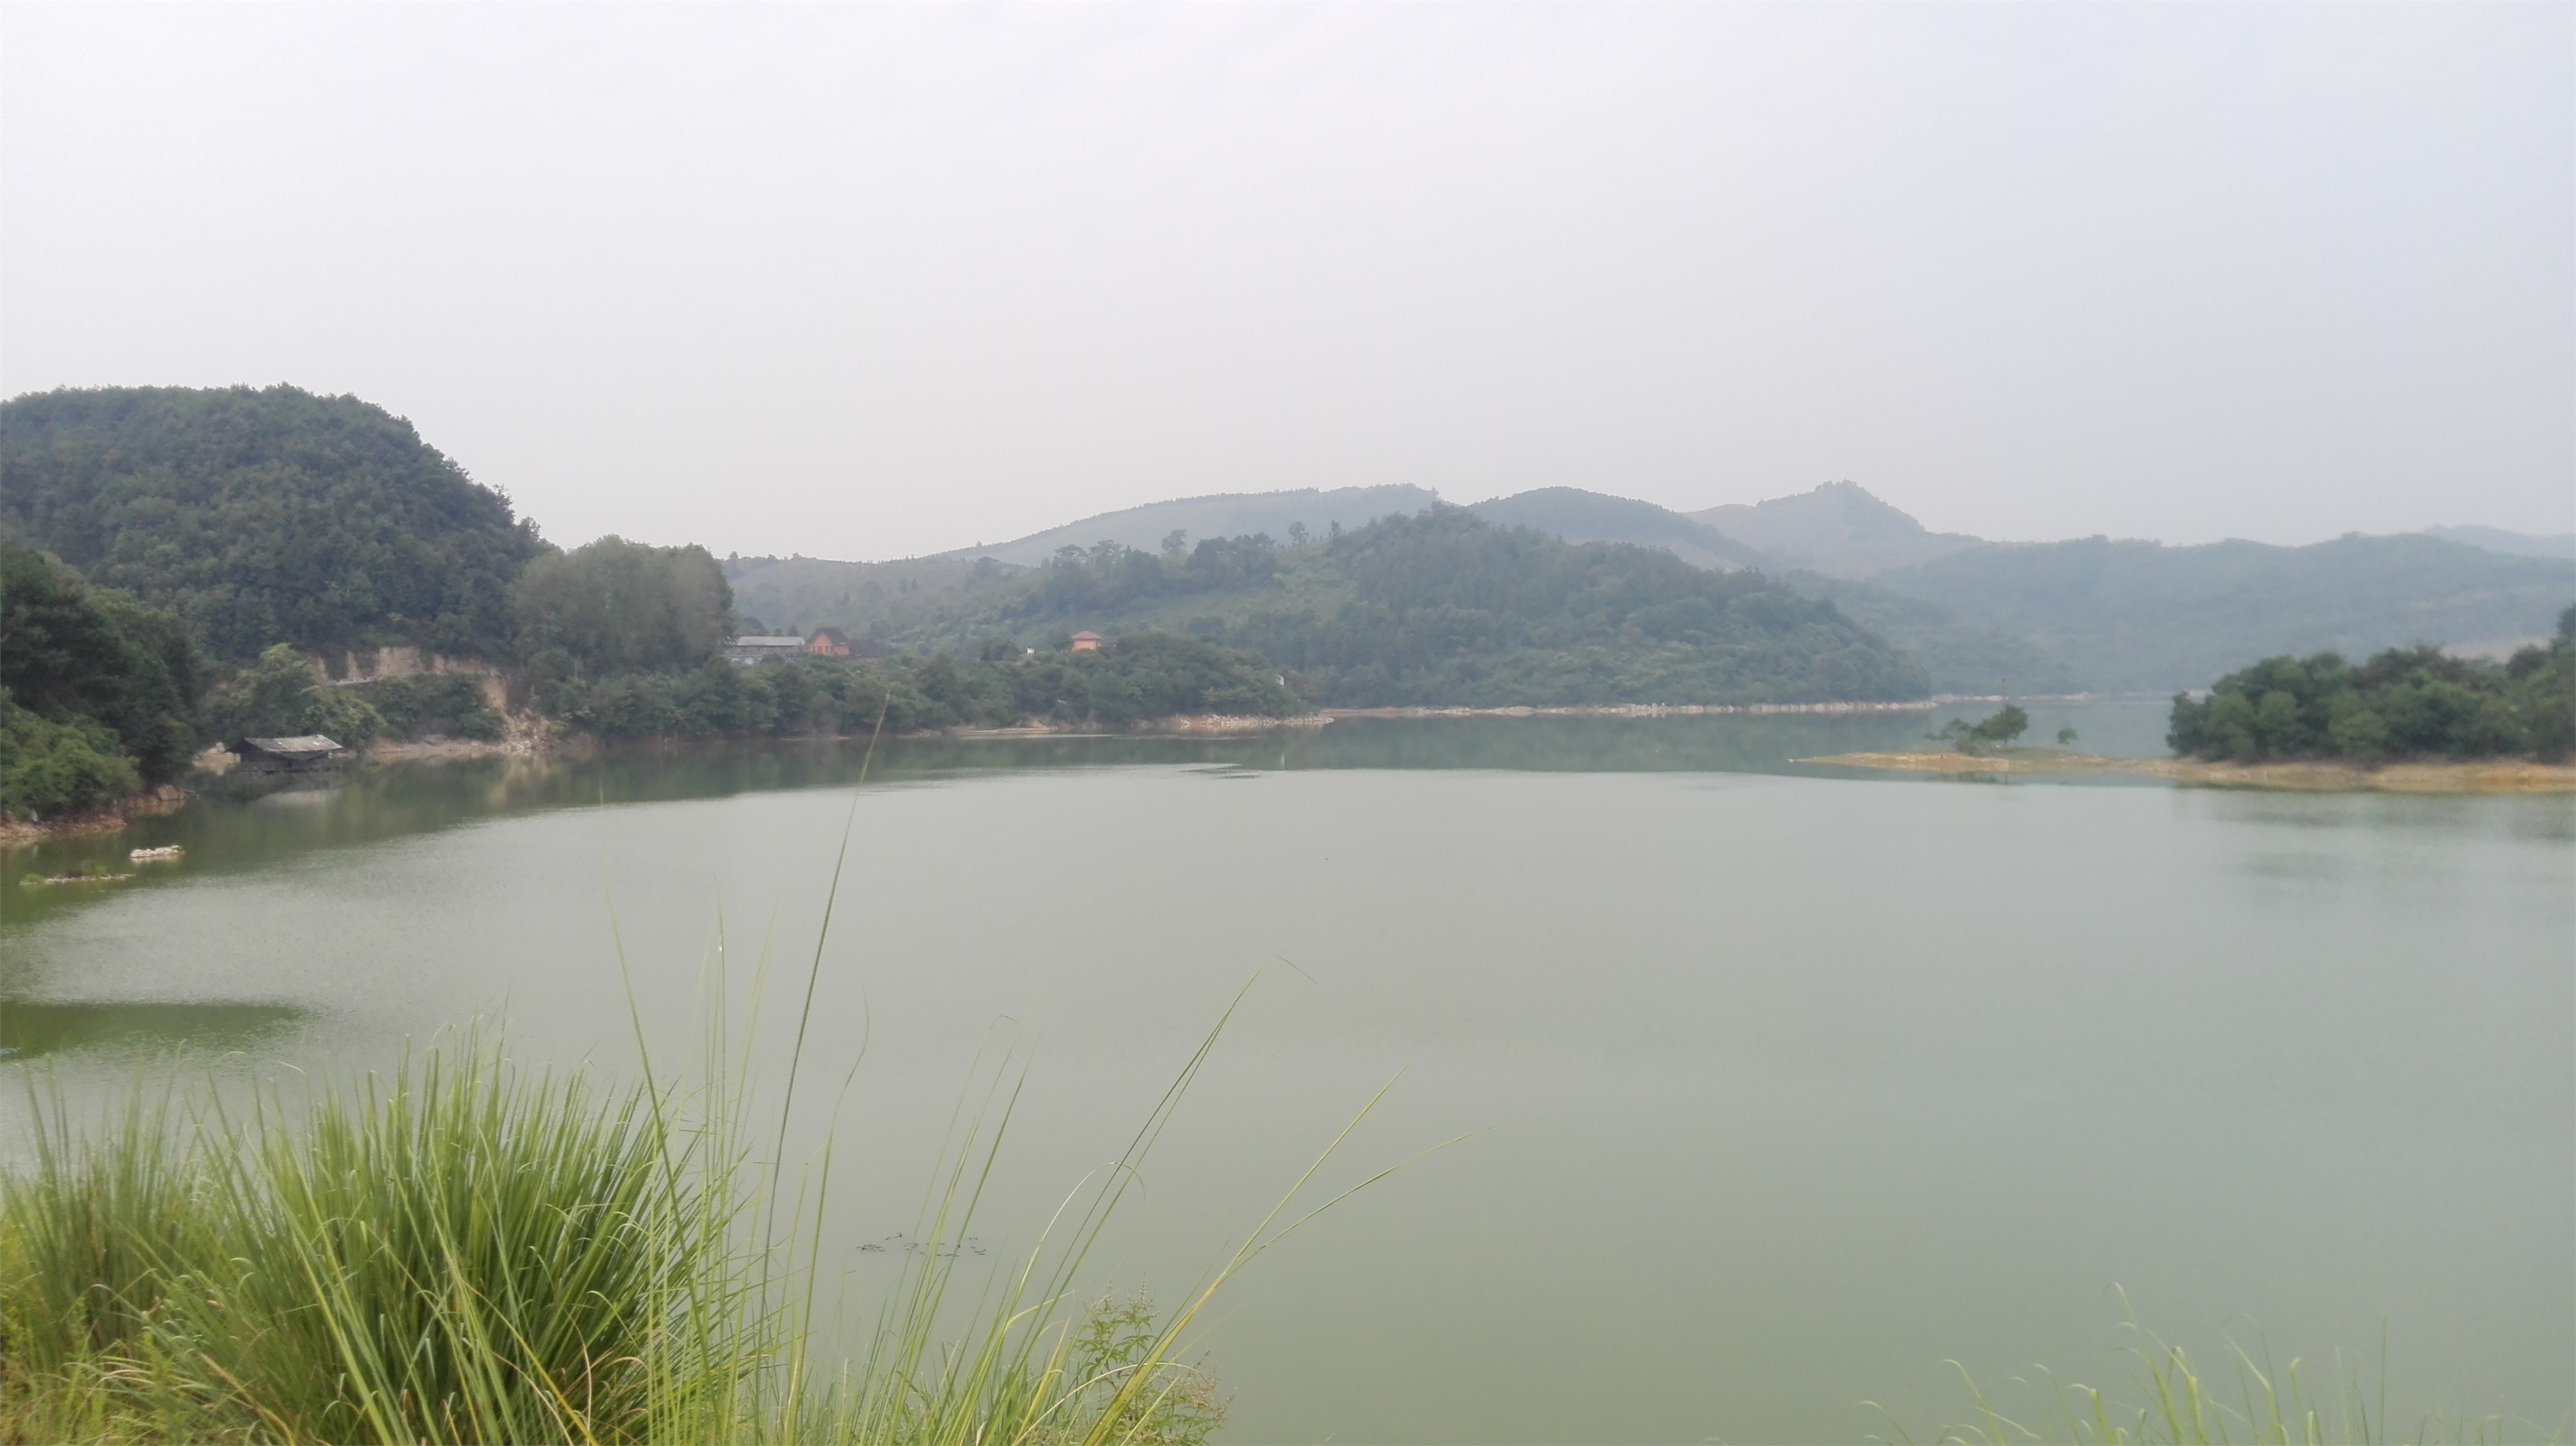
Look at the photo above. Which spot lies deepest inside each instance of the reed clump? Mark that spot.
(470, 1250)
(2174, 1400)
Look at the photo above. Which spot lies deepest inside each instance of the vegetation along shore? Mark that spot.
(2409, 720)
(2312, 775)
(181, 568)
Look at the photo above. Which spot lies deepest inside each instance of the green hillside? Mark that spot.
(1579, 516)
(2140, 616)
(863, 599)
(1837, 529)
(1960, 656)
(264, 516)
(1443, 608)
(1281, 515)
(97, 692)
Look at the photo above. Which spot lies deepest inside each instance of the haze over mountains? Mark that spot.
(275, 515)
(2091, 614)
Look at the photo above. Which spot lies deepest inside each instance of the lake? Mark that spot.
(1782, 1084)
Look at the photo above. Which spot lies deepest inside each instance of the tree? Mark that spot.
(1447, 608)
(278, 696)
(2003, 726)
(2403, 702)
(71, 653)
(48, 769)
(615, 606)
(264, 515)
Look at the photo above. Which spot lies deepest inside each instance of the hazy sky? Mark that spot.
(868, 281)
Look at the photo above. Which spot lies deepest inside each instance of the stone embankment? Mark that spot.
(1230, 723)
(1177, 723)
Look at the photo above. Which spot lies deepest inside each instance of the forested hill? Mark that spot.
(1579, 516)
(1443, 608)
(2141, 616)
(1284, 515)
(264, 516)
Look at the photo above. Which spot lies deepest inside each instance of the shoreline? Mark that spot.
(1721, 710)
(166, 798)
(2492, 775)
(1177, 723)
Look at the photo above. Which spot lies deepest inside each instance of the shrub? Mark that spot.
(48, 769)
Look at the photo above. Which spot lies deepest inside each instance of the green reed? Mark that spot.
(2172, 1400)
(469, 1248)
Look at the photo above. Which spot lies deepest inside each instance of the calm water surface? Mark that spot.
(1787, 1083)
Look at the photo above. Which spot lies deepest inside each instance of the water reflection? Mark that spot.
(1789, 1089)
(30, 1029)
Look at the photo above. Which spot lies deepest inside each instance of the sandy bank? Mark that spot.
(2494, 775)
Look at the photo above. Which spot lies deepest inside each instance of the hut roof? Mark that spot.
(769, 642)
(309, 745)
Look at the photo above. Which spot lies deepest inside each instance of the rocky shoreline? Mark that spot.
(142, 803)
(2492, 775)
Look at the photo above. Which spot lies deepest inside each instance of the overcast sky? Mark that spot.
(865, 282)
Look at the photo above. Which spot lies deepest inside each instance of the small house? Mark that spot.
(828, 643)
(760, 649)
(1086, 642)
(287, 755)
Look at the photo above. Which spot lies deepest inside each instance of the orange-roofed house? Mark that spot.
(1086, 642)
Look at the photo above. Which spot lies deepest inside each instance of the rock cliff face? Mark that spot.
(368, 665)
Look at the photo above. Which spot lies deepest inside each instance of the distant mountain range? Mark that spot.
(2493, 539)
(1230, 514)
(277, 515)
(1838, 529)
(2091, 614)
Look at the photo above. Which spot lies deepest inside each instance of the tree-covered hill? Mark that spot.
(863, 599)
(1282, 515)
(98, 693)
(1447, 609)
(1961, 656)
(1579, 516)
(264, 516)
(2404, 703)
(1839, 529)
(1443, 608)
(2140, 616)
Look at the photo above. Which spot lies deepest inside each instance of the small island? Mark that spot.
(2409, 720)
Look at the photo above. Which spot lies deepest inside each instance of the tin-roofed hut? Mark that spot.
(287, 755)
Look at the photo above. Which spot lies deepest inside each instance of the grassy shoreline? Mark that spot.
(2490, 775)
(465, 1248)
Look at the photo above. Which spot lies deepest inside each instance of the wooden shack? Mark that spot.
(287, 755)
(1086, 642)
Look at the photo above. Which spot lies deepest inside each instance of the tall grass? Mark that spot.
(467, 1249)
(470, 1249)
(2172, 1400)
